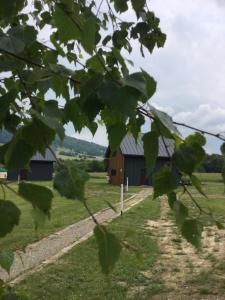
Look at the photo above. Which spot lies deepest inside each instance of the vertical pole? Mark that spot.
(18, 178)
(121, 200)
(127, 187)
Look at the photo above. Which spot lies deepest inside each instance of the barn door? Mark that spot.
(143, 179)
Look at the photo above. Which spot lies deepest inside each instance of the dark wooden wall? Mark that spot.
(135, 170)
(39, 170)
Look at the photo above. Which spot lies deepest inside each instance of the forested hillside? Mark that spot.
(75, 145)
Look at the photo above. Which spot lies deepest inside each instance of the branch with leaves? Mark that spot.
(85, 66)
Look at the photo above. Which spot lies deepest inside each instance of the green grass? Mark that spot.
(215, 201)
(210, 177)
(77, 275)
(64, 212)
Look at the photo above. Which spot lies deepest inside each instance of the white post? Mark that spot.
(121, 200)
(127, 187)
(18, 178)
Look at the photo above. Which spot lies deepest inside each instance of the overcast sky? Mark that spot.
(190, 69)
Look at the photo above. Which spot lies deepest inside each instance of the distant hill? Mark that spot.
(71, 144)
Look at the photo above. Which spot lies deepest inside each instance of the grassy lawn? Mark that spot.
(210, 177)
(77, 275)
(214, 189)
(64, 212)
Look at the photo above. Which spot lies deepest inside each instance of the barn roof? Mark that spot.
(47, 157)
(130, 146)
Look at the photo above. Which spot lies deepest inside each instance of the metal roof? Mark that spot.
(47, 157)
(130, 146)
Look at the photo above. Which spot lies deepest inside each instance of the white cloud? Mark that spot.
(190, 68)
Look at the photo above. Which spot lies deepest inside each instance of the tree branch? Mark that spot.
(146, 113)
(30, 62)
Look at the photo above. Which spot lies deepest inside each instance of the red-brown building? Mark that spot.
(129, 161)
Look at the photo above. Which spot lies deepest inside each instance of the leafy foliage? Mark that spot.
(192, 231)
(151, 149)
(109, 248)
(39, 196)
(164, 182)
(83, 67)
(6, 259)
(69, 180)
(9, 217)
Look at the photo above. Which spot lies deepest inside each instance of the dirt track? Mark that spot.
(179, 262)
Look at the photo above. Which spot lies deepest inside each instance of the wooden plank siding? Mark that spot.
(116, 168)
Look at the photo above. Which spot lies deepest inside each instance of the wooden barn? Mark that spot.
(129, 161)
(40, 169)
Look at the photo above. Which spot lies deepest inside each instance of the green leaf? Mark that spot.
(11, 44)
(164, 182)
(39, 196)
(222, 149)
(38, 135)
(116, 133)
(7, 8)
(26, 34)
(69, 181)
(187, 157)
(3, 150)
(151, 84)
(9, 217)
(180, 212)
(5, 102)
(196, 138)
(172, 198)
(18, 154)
(141, 81)
(6, 260)
(88, 35)
(165, 120)
(192, 231)
(67, 29)
(74, 114)
(151, 149)
(121, 99)
(135, 124)
(120, 5)
(138, 5)
(109, 248)
(197, 184)
(96, 63)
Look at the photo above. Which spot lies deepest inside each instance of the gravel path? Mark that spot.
(50, 248)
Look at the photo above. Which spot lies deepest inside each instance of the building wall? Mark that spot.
(39, 170)
(116, 168)
(135, 170)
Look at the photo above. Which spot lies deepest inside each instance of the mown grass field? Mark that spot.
(64, 212)
(77, 275)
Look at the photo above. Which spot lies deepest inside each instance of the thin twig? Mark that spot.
(30, 62)
(90, 213)
(146, 113)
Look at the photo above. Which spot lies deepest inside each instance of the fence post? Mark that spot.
(127, 186)
(121, 200)
(18, 179)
